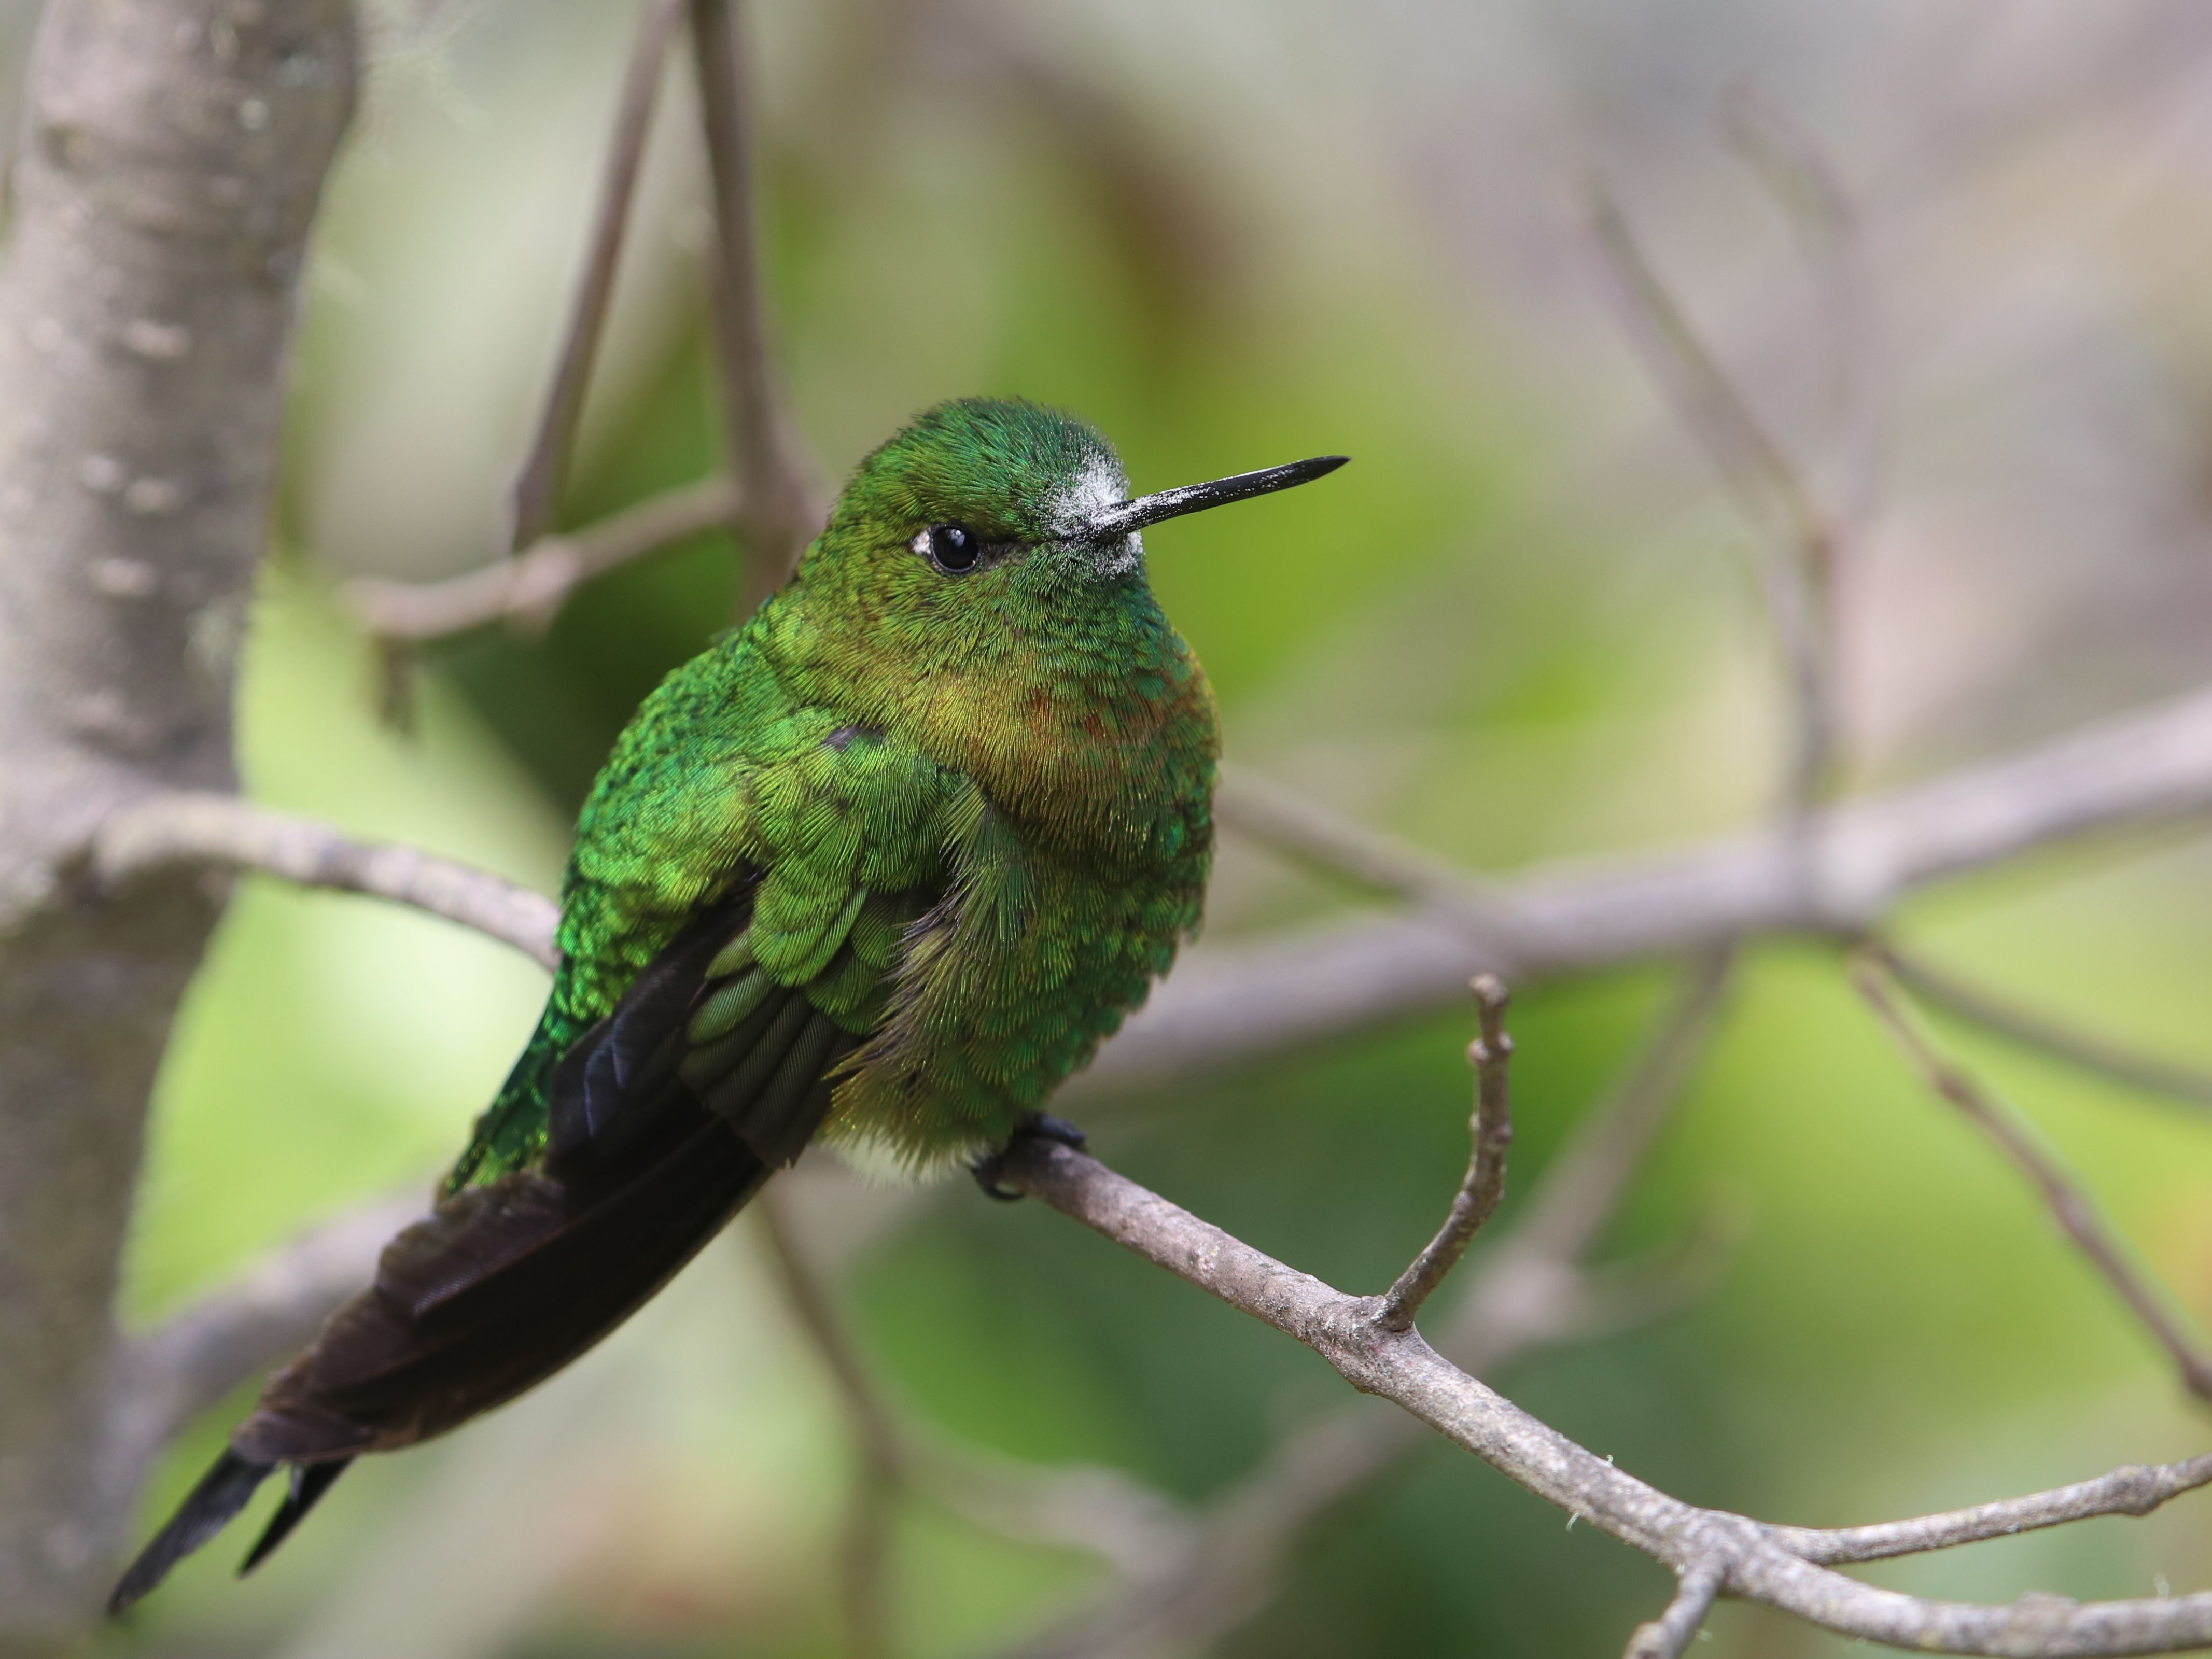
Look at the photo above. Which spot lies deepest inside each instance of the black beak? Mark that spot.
(1125, 516)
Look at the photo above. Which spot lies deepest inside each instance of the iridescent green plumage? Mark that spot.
(977, 805)
(882, 867)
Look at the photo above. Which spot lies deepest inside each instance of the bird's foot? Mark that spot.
(1038, 1126)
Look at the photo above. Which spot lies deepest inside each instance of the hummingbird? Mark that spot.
(878, 869)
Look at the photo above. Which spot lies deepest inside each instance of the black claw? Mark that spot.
(1039, 1126)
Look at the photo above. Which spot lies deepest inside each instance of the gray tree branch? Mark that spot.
(2084, 1050)
(174, 153)
(166, 832)
(1839, 876)
(2068, 1200)
(1523, 1291)
(537, 487)
(1490, 1133)
(1743, 1557)
(782, 504)
(526, 591)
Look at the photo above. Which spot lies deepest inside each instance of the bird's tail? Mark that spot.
(505, 1282)
(222, 1491)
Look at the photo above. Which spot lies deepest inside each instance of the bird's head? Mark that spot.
(981, 588)
(982, 507)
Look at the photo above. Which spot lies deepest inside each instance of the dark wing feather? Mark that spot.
(222, 1491)
(653, 1144)
(661, 1121)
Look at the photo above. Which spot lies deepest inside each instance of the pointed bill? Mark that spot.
(1123, 517)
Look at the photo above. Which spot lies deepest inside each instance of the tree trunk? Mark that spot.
(173, 158)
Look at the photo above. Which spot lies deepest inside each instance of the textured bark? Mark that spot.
(170, 170)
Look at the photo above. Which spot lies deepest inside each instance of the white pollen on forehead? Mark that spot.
(1098, 486)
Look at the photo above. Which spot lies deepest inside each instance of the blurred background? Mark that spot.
(1522, 625)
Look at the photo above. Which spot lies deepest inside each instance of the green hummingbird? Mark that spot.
(879, 868)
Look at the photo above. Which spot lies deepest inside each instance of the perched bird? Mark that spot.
(880, 867)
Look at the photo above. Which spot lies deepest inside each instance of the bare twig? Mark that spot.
(1527, 1290)
(1569, 1208)
(1490, 1129)
(537, 488)
(1749, 1560)
(206, 829)
(781, 506)
(1307, 985)
(881, 1471)
(1669, 1635)
(525, 592)
(2131, 1490)
(2037, 1031)
(2070, 1205)
(1766, 485)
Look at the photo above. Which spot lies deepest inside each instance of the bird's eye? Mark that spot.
(952, 548)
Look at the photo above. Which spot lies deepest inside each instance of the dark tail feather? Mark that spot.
(309, 1482)
(222, 1493)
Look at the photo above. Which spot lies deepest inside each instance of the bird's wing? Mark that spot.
(712, 1069)
(835, 834)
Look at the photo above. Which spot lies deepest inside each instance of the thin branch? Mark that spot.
(2082, 1050)
(1528, 1290)
(2070, 1204)
(1402, 1367)
(164, 830)
(782, 506)
(882, 1471)
(1764, 484)
(526, 591)
(1490, 1129)
(1570, 1207)
(1225, 1004)
(2130, 1489)
(1669, 1635)
(537, 487)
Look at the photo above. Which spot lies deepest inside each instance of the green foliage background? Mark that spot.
(1516, 627)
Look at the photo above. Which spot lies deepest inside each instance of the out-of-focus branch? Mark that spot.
(1491, 1130)
(781, 505)
(537, 487)
(174, 1372)
(1766, 487)
(1669, 1635)
(882, 1466)
(167, 830)
(1528, 1288)
(1137, 1529)
(526, 591)
(2070, 1204)
(1303, 828)
(2044, 1036)
(1744, 1556)
(1854, 864)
